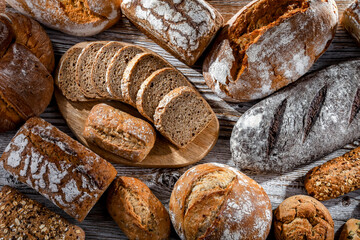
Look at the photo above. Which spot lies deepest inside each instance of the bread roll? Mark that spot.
(351, 20)
(267, 45)
(214, 201)
(351, 230)
(74, 17)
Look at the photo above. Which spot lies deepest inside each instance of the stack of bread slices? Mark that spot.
(139, 77)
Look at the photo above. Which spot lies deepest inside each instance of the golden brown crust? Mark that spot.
(137, 211)
(351, 230)
(303, 217)
(351, 20)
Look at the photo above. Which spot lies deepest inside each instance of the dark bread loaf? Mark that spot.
(23, 218)
(267, 45)
(215, 201)
(58, 167)
(351, 20)
(303, 217)
(334, 178)
(351, 230)
(302, 123)
(137, 211)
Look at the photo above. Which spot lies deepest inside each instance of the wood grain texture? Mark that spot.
(99, 225)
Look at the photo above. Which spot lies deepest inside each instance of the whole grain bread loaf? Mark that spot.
(58, 167)
(215, 201)
(184, 28)
(351, 20)
(351, 230)
(301, 123)
(137, 211)
(267, 45)
(120, 133)
(24, 218)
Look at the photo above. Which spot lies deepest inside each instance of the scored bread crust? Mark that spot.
(351, 20)
(244, 213)
(274, 55)
(75, 17)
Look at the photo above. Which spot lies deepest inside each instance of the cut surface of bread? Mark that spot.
(137, 71)
(181, 115)
(155, 87)
(116, 68)
(100, 65)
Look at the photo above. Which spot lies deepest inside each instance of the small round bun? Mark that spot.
(215, 201)
(303, 217)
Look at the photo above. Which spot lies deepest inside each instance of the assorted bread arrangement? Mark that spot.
(266, 46)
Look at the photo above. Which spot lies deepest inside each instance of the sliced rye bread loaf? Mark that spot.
(137, 71)
(116, 68)
(181, 115)
(84, 66)
(100, 65)
(65, 73)
(155, 87)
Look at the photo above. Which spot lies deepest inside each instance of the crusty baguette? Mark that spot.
(351, 20)
(334, 178)
(301, 123)
(24, 218)
(267, 45)
(58, 167)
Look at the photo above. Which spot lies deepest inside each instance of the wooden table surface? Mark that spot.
(99, 225)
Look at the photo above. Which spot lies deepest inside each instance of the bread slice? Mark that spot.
(65, 74)
(100, 65)
(84, 66)
(137, 71)
(181, 115)
(116, 68)
(155, 87)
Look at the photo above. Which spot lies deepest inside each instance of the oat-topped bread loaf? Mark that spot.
(351, 20)
(301, 123)
(303, 217)
(184, 28)
(267, 45)
(75, 17)
(120, 133)
(26, 60)
(137, 211)
(24, 218)
(181, 115)
(351, 230)
(58, 167)
(215, 201)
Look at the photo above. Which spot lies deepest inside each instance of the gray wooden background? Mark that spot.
(99, 225)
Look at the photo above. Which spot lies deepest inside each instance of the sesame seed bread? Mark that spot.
(100, 65)
(155, 87)
(24, 218)
(137, 71)
(116, 68)
(181, 115)
(58, 167)
(120, 133)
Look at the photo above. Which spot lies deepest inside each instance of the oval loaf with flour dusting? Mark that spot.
(267, 45)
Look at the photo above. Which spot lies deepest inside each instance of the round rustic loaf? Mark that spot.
(74, 17)
(26, 60)
(303, 217)
(267, 45)
(215, 201)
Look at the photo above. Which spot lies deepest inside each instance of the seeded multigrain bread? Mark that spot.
(137, 71)
(116, 68)
(351, 230)
(334, 178)
(181, 115)
(120, 133)
(184, 28)
(303, 217)
(215, 201)
(100, 65)
(155, 87)
(139, 214)
(24, 218)
(58, 167)
(351, 20)
(65, 73)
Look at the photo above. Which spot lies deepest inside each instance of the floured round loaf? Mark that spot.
(268, 45)
(351, 20)
(215, 201)
(74, 17)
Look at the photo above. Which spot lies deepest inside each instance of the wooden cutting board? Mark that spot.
(163, 155)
